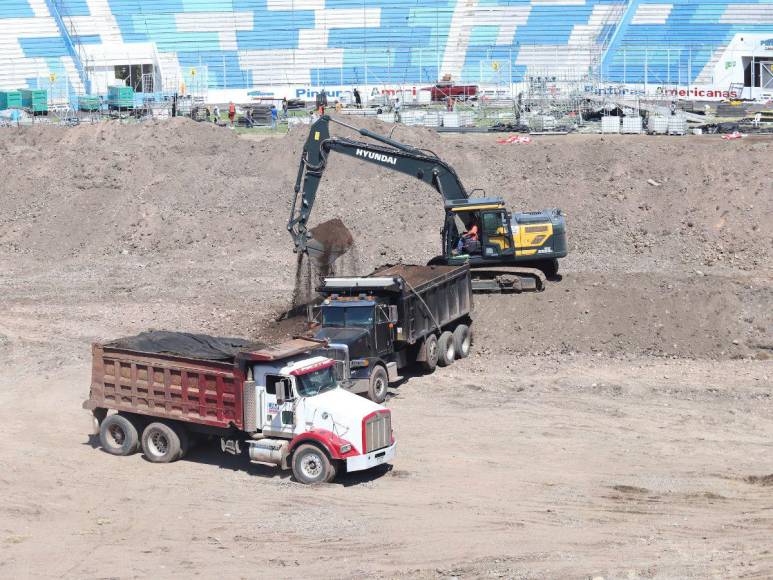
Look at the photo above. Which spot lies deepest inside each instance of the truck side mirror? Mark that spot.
(340, 371)
(284, 391)
(393, 318)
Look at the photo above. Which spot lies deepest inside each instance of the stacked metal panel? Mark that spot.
(657, 125)
(34, 100)
(610, 124)
(89, 103)
(631, 125)
(120, 97)
(10, 100)
(677, 125)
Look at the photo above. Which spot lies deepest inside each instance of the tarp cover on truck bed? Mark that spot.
(185, 344)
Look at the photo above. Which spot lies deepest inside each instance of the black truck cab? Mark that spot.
(364, 325)
(393, 317)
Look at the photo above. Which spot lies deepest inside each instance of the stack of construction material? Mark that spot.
(657, 125)
(89, 103)
(120, 98)
(260, 114)
(677, 125)
(359, 112)
(467, 119)
(632, 125)
(10, 100)
(35, 101)
(541, 123)
(610, 124)
(413, 117)
(431, 119)
(451, 120)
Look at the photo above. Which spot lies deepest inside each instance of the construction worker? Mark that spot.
(321, 102)
(231, 112)
(471, 235)
(357, 98)
(273, 116)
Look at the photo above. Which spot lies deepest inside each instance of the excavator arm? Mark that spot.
(423, 165)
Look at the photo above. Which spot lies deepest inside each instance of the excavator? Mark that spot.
(513, 252)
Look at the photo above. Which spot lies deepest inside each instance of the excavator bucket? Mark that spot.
(329, 240)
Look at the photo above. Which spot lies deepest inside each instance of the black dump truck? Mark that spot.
(394, 317)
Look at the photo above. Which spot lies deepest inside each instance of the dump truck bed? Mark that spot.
(185, 387)
(435, 297)
(208, 392)
(419, 277)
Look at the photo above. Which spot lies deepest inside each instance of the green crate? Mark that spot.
(120, 97)
(89, 103)
(10, 100)
(36, 100)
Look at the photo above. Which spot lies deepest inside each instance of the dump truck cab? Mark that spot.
(301, 402)
(397, 315)
(366, 324)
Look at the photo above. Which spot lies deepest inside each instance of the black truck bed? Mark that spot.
(436, 296)
(418, 276)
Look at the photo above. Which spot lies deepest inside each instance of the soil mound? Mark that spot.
(679, 224)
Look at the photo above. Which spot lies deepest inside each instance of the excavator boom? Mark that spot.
(422, 165)
(509, 245)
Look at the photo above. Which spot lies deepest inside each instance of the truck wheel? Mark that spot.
(462, 340)
(160, 443)
(311, 465)
(334, 466)
(118, 435)
(431, 348)
(185, 439)
(379, 381)
(446, 349)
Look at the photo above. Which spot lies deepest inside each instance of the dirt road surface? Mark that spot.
(617, 425)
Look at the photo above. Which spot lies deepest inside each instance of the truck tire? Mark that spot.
(334, 467)
(185, 439)
(311, 465)
(462, 340)
(431, 348)
(160, 443)
(379, 382)
(446, 349)
(118, 435)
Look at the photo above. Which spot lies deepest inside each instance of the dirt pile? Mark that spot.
(669, 237)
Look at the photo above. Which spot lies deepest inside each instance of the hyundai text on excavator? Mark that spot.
(514, 252)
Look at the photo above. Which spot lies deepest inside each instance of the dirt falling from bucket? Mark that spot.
(338, 255)
(304, 285)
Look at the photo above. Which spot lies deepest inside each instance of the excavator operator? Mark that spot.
(469, 240)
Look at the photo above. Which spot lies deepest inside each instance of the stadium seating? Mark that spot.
(243, 43)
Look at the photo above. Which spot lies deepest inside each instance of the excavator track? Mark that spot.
(507, 279)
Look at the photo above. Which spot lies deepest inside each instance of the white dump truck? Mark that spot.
(281, 405)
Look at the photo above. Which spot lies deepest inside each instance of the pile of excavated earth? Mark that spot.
(669, 249)
(617, 424)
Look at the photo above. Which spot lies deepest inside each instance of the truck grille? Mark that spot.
(377, 431)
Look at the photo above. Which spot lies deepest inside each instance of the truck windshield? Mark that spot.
(340, 317)
(316, 382)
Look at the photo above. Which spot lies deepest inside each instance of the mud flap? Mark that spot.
(392, 374)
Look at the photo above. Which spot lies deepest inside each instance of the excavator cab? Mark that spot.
(495, 236)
